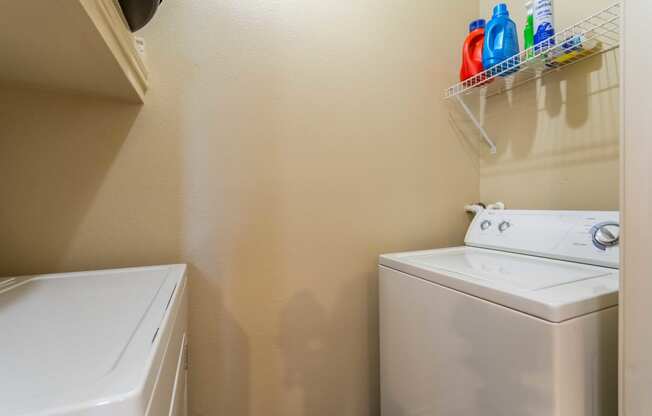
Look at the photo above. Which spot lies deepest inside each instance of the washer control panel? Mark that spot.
(591, 237)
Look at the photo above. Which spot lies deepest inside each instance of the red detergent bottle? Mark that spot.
(472, 51)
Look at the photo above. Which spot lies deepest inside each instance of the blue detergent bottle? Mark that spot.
(500, 42)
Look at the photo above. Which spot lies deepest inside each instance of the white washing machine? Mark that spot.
(521, 321)
(103, 343)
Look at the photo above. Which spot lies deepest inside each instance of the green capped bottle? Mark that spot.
(528, 32)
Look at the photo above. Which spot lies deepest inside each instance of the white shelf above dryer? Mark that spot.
(81, 46)
(590, 37)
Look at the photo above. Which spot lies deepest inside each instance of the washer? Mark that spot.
(522, 320)
(99, 343)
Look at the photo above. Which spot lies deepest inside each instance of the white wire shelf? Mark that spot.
(592, 36)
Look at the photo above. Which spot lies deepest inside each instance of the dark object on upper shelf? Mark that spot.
(139, 12)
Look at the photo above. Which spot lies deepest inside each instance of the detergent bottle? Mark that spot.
(472, 50)
(544, 24)
(500, 42)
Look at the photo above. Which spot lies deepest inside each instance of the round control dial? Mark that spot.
(606, 234)
(503, 226)
(485, 225)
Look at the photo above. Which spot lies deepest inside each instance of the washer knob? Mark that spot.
(485, 225)
(608, 235)
(503, 226)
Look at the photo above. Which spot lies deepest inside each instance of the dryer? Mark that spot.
(101, 343)
(522, 320)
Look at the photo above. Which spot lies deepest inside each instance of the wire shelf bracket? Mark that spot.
(477, 124)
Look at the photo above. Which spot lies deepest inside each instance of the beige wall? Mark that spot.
(282, 147)
(636, 267)
(557, 140)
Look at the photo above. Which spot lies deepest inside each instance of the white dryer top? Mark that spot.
(550, 289)
(76, 342)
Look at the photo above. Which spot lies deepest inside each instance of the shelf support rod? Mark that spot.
(477, 124)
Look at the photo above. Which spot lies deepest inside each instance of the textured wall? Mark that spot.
(557, 139)
(283, 146)
(636, 267)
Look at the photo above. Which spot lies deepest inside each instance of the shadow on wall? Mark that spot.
(545, 126)
(223, 352)
(572, 122)
(319, 351)
(55, 151)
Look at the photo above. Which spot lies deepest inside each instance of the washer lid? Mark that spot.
(550, 289)
(517, 272)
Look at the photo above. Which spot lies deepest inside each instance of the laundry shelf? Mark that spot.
(590, 37)
(83, 46)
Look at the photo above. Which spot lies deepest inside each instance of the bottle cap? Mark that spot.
(501, 10)
(529, 8)
(477, 24)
